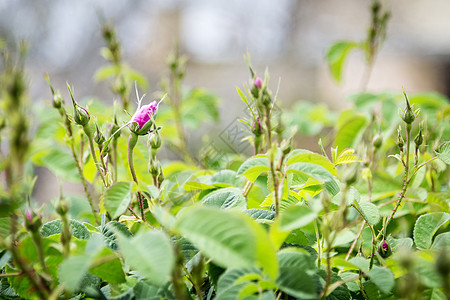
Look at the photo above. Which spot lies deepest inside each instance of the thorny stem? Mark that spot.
(35, 279)
(132, 140)
(352, 246)
(405, 181)
(83, 181)
(37, 241)
(374, 236)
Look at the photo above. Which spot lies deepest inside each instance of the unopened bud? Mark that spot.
(62, 207)
(32, 221)
(266, 99)
(408, 115)
(286, 146)
(257, 82)
(99, 138)
(154, 167)
(114, 128)
(377, 141)
(161, 175)
(155, 140)
(384, 249)
(80, 114)
(418, 140)
(57, 100)
(257, 130)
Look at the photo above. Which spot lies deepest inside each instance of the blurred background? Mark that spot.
(290, 37)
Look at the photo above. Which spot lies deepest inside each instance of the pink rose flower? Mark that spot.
(142, 115)
(258, 82)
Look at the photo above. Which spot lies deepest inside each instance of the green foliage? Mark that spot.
(365, 217)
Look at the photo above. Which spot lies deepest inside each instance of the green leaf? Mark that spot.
(117, 198)
(106, 72)
(296, 217)
(261, 215)
(229, 238)
(73, 270)
(149, 253)
(442, 241)
(110, 271)
(370, 211)
(349, 127)
(311, 169)
(226, 198)
(55, 227)
(296, 274)
(313, 158)
(110, 231)
(253, 167)
(198, 107)
(383, 278)
(434, 294)
(426, 226)
(336, 57)
(361, 263)
(444, 152)
(347, 156)
(61, 164)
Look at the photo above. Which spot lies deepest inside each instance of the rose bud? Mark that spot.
(142, 119)
(384, 249)
(257, 82)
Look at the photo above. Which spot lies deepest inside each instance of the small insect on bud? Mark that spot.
(384, 249)
(377, 141)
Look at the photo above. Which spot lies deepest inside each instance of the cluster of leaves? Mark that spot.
(366, 220)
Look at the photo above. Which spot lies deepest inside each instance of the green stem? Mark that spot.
(319, 248)
(115, 158)
(177, 279)
(37, 241)
(132, 140)
(88, 132)
(84, 182)
(405, 181)
(35, 279)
